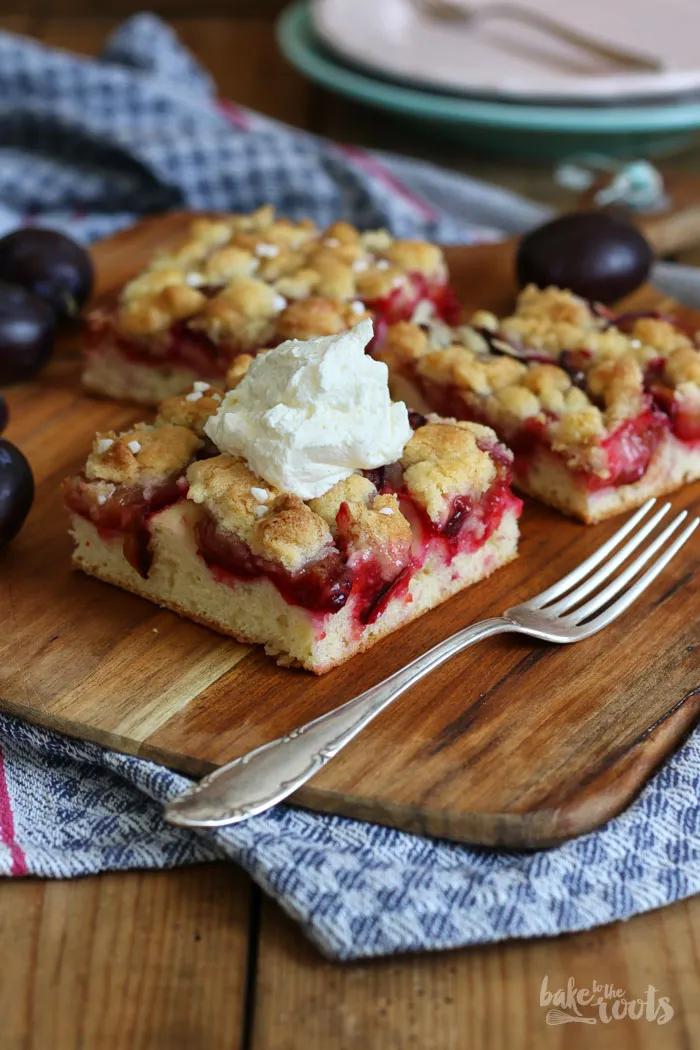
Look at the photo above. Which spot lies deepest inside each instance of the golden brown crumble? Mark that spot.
(224, 485)
(354, 490)
(550, 319)
(192, 409)
(238, 368)
(371, 522)
(291, 534)
(578, 435)
(343, 232)
(618, 383)
(274, 524)
(379, 528)
(281, 527)
(336, 277)
(658, 334)
(316, 316)
(443, 460)
(154, 312)
(417, 256)
(226, 263)
(683, 366)
(509, 391)
(242, 311)
(233, 276)
(142, 454)
(406, 341)
(377, 281)
(298, 285)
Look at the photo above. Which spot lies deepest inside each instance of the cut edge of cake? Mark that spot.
(110, 373)
(254, 612)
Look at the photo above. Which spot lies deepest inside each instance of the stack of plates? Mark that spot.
(507, 88)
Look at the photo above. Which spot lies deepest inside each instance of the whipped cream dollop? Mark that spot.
(309, 413)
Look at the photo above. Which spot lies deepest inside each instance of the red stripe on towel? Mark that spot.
(234, 114)
(375, 168)
(7, 827)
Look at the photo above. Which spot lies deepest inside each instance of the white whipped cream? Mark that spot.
(308, 414)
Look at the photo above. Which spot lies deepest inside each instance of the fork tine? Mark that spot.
(619, 582)
(609, 566)
(640, 585)
(591, 562)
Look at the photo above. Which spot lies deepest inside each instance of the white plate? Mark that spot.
(499, 58)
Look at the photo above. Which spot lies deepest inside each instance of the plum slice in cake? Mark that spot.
(162, 512)
(240, 283)
(601, 411)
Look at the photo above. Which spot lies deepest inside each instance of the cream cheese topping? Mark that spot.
(309, 413)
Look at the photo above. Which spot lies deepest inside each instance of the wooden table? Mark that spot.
(198, 958)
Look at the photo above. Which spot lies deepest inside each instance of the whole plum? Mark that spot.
(16, 490)
(26, 333)
(50, 265)
(594, 254)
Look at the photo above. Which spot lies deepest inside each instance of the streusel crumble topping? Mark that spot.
(558, 363)
(249, 277)
(141, 454)
(442, 460)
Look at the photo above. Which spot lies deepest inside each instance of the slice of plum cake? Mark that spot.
(240, 283)
(159, 510)
(601, 410)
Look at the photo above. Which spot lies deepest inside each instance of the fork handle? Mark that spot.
(254, 782)
(528, 14)
(531, 16)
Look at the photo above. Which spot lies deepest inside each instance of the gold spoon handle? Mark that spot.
(453, 11)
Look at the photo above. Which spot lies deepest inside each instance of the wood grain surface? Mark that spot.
(158, 961)
(147, 961)
(485, 998)
(64, 960)
(513, 742)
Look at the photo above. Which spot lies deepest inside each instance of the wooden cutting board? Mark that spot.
(513, 742)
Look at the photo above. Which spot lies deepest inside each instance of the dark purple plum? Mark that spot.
(4, 414)
(16, 490)
(50, 265)
(26, 333)
(595, 254)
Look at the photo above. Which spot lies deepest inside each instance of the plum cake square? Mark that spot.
(601, 410)
(313, 524)
(240, 283)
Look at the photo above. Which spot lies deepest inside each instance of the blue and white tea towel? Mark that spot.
(87, 145)
(69, 808)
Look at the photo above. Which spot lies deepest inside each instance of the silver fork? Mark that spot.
(256, 781)
(457, 11)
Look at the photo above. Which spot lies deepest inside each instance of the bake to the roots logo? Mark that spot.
(601, 1003)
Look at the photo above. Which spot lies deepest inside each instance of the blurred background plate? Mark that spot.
(495, 127)
(501, 58)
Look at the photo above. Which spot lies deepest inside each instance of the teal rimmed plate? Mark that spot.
(505, 128)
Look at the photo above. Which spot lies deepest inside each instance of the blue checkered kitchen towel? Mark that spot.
(86, 145)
